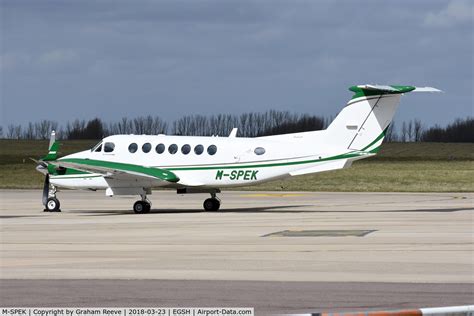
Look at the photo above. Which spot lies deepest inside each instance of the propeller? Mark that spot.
(43, 168)
(46, 189)
(42, 165)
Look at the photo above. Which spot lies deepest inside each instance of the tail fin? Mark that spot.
(362, 124)
(53, 148)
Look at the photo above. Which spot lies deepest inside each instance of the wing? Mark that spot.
(117, 170)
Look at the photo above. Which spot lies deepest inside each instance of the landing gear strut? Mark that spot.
(143, 206)
(52, 203)
(212, 204)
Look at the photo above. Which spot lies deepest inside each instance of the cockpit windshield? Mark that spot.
(97, 147)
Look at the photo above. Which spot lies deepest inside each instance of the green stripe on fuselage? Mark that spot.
(159, 169)
(277, 164)
(351, 154)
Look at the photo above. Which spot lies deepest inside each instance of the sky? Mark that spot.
(62, 60)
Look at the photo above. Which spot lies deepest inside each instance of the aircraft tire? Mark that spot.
(52, 205)
(147, 207)
(141, 207)
(211, 204)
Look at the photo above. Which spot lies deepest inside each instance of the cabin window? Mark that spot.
(109, 147)
(146, 147)
(259, 151)
(132, 148)
(186, 149)
(173, 149)
(199, 149)
(160, 148)
(98, 149)
(211, 150)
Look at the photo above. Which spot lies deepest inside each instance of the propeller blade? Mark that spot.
(46, 189)
(42, 169)
(41, 166)
(39, 162)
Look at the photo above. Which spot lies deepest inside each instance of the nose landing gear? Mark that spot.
(52, 203)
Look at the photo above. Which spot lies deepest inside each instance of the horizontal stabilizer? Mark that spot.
(328, 166)
(371, 88)
(378, 87)
(426, 89)
(332, 165)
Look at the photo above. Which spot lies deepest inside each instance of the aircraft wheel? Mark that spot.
(141, 207)
(147, 207)
(52, 205)
(211, 204)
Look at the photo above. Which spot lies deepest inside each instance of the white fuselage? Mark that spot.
(124, 163)
(135, 164)
(236, 162)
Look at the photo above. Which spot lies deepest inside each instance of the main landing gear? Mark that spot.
(212, 204)
(52, 203)
(143, 206)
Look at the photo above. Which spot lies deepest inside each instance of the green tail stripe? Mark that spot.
(382, 135)
(375, 150)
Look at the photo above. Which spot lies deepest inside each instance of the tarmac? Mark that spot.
(279, 252)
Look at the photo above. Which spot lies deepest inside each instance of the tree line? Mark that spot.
(249, 125)
(252, 124)
(459, 131)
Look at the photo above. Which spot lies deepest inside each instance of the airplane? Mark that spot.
(135, 164)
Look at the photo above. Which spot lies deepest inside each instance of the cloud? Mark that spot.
(456, 12)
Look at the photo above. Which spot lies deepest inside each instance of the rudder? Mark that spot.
(362, 124)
